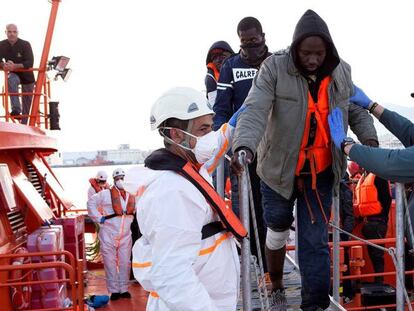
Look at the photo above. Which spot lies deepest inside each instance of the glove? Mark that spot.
(360, 98)
(235, 165)
(233, 119)
(102, 220)
(336, 126)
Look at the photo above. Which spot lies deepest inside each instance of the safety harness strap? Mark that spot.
(211, 229)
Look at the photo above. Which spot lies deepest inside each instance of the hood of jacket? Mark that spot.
(309, 25)
(223, 45)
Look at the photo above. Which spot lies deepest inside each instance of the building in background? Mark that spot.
(123, 155)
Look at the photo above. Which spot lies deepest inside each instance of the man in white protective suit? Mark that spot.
(114, 210)
(185, 258)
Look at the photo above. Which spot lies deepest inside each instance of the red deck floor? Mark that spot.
(96, 286)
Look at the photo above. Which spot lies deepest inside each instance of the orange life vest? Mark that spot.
(96, 186)
(116, 202)
(215, 70)
(230, 221)
(367, 203)
(319, 154)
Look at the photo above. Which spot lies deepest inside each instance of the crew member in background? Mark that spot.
(372, 204)
(185, 258)
(217, 53)
(98, 183)
(114, 210)
(16, 53)
(235, 81)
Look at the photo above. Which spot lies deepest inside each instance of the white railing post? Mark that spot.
(335, 235)
(245, 245)
(399, 222)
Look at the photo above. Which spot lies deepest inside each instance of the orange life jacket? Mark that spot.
(162, 159)
(215, 70)
(116, 202)
(319, 154)
(367, 203)
(96, 186)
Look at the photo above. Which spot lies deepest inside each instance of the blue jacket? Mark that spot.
(232, 88)
(391, 164)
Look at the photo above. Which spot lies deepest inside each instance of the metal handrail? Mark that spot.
(75, 270)
(44, 91)
(44, 265)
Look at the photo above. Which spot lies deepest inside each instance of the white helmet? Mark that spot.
(101, 175)
(182, 103)
(118, 172)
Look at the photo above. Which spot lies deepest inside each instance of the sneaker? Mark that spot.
(125, 295)
(15, 113)
(115, 296)
(278, 300)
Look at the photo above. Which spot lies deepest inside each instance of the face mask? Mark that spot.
(205, 146)
(252, 53)
(119, 184)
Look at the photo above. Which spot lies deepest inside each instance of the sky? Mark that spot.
(126, 53)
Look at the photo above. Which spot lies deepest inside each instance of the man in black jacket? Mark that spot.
(16, 53)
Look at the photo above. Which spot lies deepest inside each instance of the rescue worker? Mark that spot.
(185, 259)
(113, 209)
(372, 205)
(285, 121)
(394, 165)
(216, 55)
(98, 183)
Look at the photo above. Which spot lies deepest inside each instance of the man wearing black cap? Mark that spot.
(286, 123)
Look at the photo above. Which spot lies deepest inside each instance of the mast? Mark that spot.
(43, 63)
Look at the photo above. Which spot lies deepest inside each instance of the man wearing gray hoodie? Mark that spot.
(286, 124)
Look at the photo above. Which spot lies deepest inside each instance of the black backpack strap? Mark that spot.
(211, 229)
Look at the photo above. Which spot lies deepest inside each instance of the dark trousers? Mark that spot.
(314, 260)
(375, 230)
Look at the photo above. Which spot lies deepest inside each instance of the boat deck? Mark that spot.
(96, 285)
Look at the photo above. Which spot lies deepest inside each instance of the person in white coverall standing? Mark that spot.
(114, 210)
(185, 258)
(98, 183)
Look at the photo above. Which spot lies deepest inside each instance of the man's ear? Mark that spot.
(176, 135)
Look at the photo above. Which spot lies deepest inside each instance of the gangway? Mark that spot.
(252, 292)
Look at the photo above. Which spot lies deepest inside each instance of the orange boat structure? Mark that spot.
(42, 234)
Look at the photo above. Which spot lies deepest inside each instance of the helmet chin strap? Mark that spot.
(186, 142)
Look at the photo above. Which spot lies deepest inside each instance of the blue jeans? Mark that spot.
(314, 260)
(14, 82)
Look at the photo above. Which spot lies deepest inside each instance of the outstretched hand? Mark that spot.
(233, 119)
(360, 98)
(336, 126)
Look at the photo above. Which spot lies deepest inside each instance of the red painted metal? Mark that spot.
(19, 136)
(50, 180)
(41, 78)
